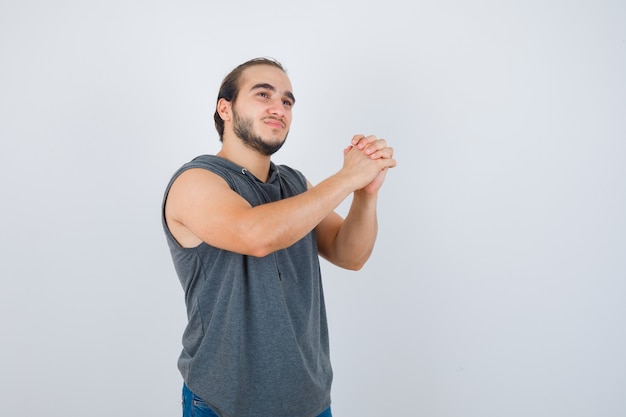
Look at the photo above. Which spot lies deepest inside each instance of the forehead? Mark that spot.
(265, 74)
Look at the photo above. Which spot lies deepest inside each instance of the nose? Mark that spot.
(276, 107)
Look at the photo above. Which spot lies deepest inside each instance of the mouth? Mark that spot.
(274, 123)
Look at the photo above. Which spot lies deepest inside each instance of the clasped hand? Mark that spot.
(369, 157)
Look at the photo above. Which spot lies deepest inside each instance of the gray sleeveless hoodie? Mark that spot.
(256, 342)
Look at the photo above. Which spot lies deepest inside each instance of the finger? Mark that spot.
(375, 146)
(356, 139)
(378, 150)
(386, 162)
(365, 141)
(386, 153)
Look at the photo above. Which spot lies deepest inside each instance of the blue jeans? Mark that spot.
(194, 406)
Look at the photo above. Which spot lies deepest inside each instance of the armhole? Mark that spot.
(195, 164)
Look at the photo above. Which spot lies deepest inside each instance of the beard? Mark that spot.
(244, 129)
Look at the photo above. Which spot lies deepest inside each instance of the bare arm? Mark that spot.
(349, 243)
(201, 207)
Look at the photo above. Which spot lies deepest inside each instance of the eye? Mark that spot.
(287, 103)
(263, 94)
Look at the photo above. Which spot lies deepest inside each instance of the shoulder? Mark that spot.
(200, 176)
(204, 168)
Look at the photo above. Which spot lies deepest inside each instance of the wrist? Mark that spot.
(347, 181)
(366, 196)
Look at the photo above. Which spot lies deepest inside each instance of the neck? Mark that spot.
(256, 163)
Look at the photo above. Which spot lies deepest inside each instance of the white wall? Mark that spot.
(497, 285)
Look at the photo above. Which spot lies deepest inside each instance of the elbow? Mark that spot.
(257, 244)
(354, 267)
(357, 263)
(347, 261)
(354, 264)
(259, 251)
(256, 247)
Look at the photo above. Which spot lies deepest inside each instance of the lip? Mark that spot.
(274, 123)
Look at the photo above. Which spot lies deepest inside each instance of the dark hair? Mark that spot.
(231, 84)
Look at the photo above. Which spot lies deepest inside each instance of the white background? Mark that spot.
(498, 283)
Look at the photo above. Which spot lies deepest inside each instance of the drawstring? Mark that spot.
(244, 171)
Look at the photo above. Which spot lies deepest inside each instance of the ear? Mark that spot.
(224, 109)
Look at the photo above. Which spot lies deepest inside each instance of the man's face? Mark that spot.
(262, 110)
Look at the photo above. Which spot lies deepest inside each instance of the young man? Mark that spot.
(245, 236)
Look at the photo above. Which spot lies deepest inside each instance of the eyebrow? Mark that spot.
(272, 88)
